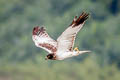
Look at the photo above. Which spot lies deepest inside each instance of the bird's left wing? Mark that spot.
(43, 40)
(66, 40)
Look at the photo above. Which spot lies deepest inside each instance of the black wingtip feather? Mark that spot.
(37, 30)
(82, 18)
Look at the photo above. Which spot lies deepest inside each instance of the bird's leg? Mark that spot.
(76, 49)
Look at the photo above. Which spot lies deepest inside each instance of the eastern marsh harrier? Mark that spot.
(63, 47)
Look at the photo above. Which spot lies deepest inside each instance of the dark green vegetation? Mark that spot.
(21, 60)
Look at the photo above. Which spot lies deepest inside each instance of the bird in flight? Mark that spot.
(61, 48)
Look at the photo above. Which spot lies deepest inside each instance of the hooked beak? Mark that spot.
(46, 58)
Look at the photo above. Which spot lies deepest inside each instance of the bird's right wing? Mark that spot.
(43, 40)
(66, 40)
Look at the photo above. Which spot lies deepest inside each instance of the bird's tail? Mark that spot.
(86, 51)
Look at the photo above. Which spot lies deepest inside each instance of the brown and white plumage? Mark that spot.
(42, 40)
(63, 47)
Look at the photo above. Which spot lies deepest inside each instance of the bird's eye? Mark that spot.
(48, 56)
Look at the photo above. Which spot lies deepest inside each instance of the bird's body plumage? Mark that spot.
(63, 47)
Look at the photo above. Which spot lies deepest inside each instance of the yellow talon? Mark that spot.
(76, 49)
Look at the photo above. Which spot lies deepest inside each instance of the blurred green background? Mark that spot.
(20, 59)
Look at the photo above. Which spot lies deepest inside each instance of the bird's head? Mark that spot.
(50, 56)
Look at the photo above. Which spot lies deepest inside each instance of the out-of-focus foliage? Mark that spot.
(60, 70)
(21, 60)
